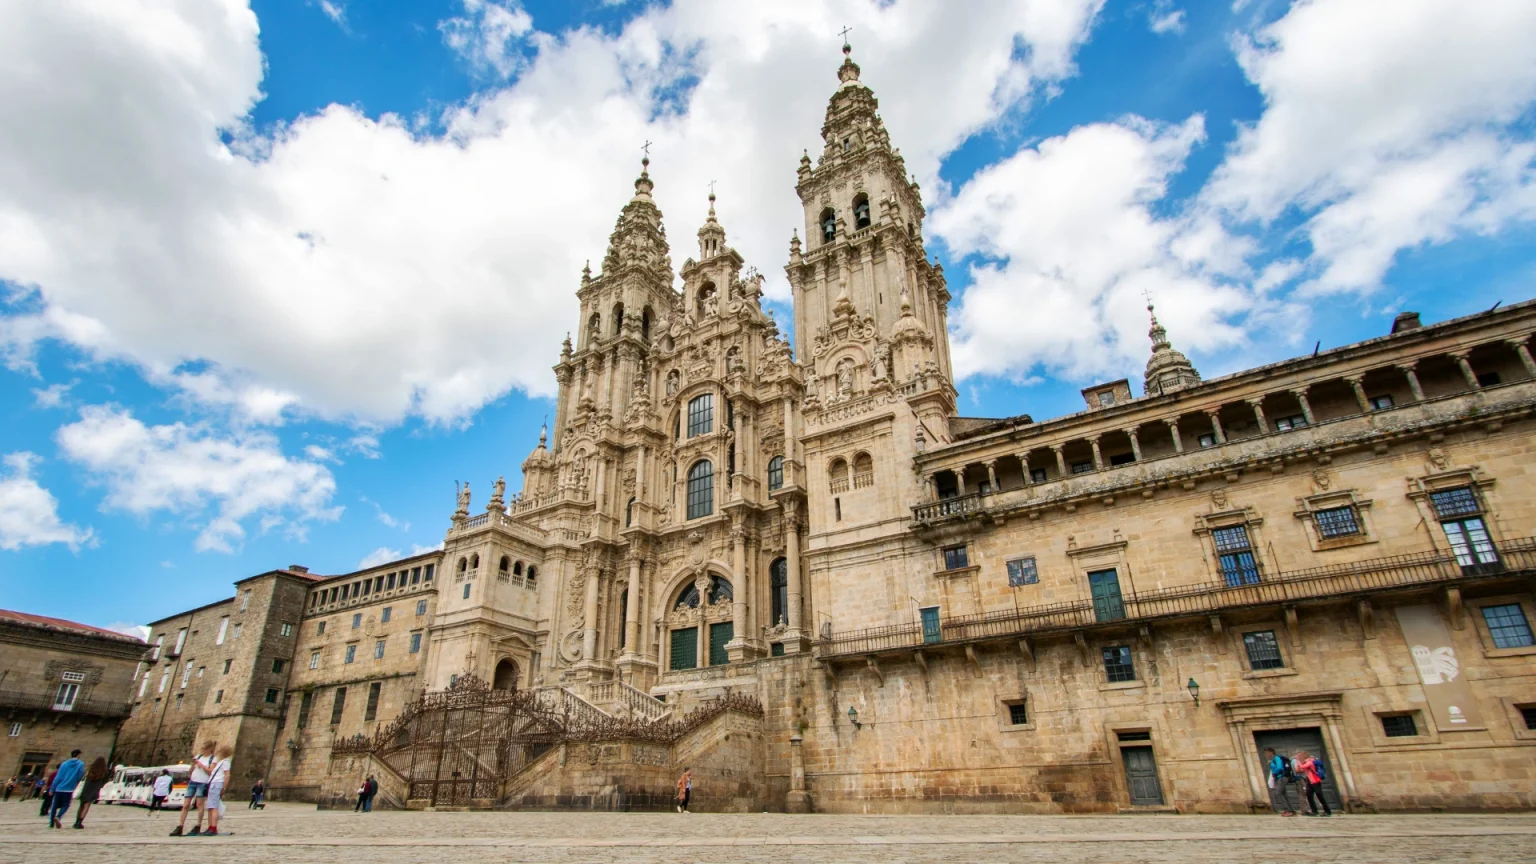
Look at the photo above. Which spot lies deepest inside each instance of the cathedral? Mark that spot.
(795, 569)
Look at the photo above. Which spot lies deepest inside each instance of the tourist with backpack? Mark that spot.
(1312, 773)
(1280, 776)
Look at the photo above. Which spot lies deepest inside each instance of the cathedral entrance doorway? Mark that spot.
(505, 677)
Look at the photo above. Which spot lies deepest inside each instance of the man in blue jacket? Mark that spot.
(64, 784)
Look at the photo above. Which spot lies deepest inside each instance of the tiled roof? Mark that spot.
(43, 622)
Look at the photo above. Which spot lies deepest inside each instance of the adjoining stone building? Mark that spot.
(1115, 609)
(63, 686)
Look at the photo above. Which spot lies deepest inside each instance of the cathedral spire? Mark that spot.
(711, 233)
(638, 238)
(1167, 369)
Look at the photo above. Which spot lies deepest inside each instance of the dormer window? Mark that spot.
(861, 211)
(828, 225)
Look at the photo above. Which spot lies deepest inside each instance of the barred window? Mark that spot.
(1337, 522)
(1018, 714)
(1508, 627)
(1118, 665)
(775, 473)
(1021, 571)
(1263, 650)
(1238, 564)
(701, 490)
(1399, 726)
(701, 415)
(1455, 502)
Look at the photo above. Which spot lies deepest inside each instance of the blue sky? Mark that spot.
(274, 276)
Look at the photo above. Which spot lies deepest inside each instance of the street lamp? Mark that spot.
(1194, 690)
(853, 717)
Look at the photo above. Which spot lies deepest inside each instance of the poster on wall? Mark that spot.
(1449, 694)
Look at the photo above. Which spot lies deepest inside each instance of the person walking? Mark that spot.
(10, 786)
(257, 792)
(1312, 773)
(160, 791)
(684, 790)
(362, 795)
(45, 791)
(197, 788)
(95, 778)
(65, 780)
(370, 789)
(218, 775)
(1280, 774)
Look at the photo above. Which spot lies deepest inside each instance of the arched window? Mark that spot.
(594, 327)
(618, 318)
(623, 610)
(701, 415)
(505, 566)
(474, 561)
(863, 470)
(837, 472)
(517, 569)
(533, 572)
(701, 489)
(720, 590)
(778, 591)
(463, 564)
(688, 598)
(775, 473)
(861, 211)
(645, 324)
(629, 513)
(828, 222)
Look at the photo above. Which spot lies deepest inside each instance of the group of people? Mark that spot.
(365, 794)
(56, 789)
(1286, 771)
(205, 789)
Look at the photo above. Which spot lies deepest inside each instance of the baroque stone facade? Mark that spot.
(1115, 609)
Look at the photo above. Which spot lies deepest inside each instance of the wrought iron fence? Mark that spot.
(1358, 578)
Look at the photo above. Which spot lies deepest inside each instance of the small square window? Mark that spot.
(271, 697)
(1381, 403)
(320, 629)
(1021, 571)
(1488, 379)
(1037, 475)
(955, 558)
(1286, 424)
(277, 666)
(76, 677)
(15, 730)
(466, 589)
(1017, 714)
(1082, 467)
(421, 607)
(378, 650)
(384, 615)
(1207, 440)
(1460, 501)
(1106, 399)
(357, 620)
(1507, 625)
(1399, 726)
(1336, 522)
(1528, 714)
(227, 664)
(1118, 665)
(1263, 650)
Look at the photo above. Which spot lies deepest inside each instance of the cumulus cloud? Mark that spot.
(381, 555)
(29, 514)
(1164, 18)
(489, 36)
(218, 482)
(1384, 132)
(267, 271)
(1070, 246)
(137, 631)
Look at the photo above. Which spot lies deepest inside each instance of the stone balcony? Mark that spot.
(1358, 582)
(14, 702)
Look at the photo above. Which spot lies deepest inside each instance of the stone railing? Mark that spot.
(511, 524)
(947, 508)
(839, 486)
(563, 701)
(864, 479)
(1362, 578)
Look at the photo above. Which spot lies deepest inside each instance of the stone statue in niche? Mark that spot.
(674, 381)
(1437, 459)
(1321, 478)
(845, 378)
(1219, 498)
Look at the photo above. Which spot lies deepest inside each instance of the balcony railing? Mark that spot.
(1516, 557)
(864, 479)
(20, 700)
(948, 507)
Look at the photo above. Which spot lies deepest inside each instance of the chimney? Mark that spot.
(298, 568)
(1406, 321)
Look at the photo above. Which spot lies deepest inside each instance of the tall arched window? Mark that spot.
(775, 473)
(701, 489)
(837, 472)
(778, 591)
(629, 513)
(533, 572)
(463, 564)
(474, 561)
(645, 324)
(861, 211)
(828, 222)
(618, 318)
(517, 569)
(863, 470)
(594, 327)
(505, 567)
(701, 415)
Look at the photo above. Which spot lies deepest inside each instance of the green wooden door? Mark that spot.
(685, 648)
(719, 634)
(1107, 604)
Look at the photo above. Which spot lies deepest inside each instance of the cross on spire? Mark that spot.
(646, 149)
(711, 189)
(845, 31)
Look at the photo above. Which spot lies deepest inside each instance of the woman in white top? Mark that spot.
(218, 775)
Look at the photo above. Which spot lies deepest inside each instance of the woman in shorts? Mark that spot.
(218, 775)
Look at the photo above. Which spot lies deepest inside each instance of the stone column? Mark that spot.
(1525, 354)
(1214, 414)
(632, 610)
(1173, 427)
(1061, 461)
(796, 639)
(1135, 442)
(1357, 384)
(741, 590)
(797, 801)
(1258, 414)
(1306, 407)
(1098, 456)
(960, 481)
(1413, 379)
(589, 630)
(1461, 358)
(1024, 467)
(992, 474)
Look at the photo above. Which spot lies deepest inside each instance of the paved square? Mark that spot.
(292, 833)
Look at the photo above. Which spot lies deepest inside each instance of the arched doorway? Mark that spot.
(505, 677)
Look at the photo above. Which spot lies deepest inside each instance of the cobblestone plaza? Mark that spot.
(296, 833)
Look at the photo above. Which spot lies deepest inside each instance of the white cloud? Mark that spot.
(337, 12)
(29, 514)
(1070, 244)
(381, 555)
(127, 628)
(1164, 18)
(52, 396)
(217, 482)
(422, 550)
(384, 517)
(489, 36)
(319, 454)
(1385, 131)
(142, 237)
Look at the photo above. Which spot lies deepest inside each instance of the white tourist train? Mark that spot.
(135, 785)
